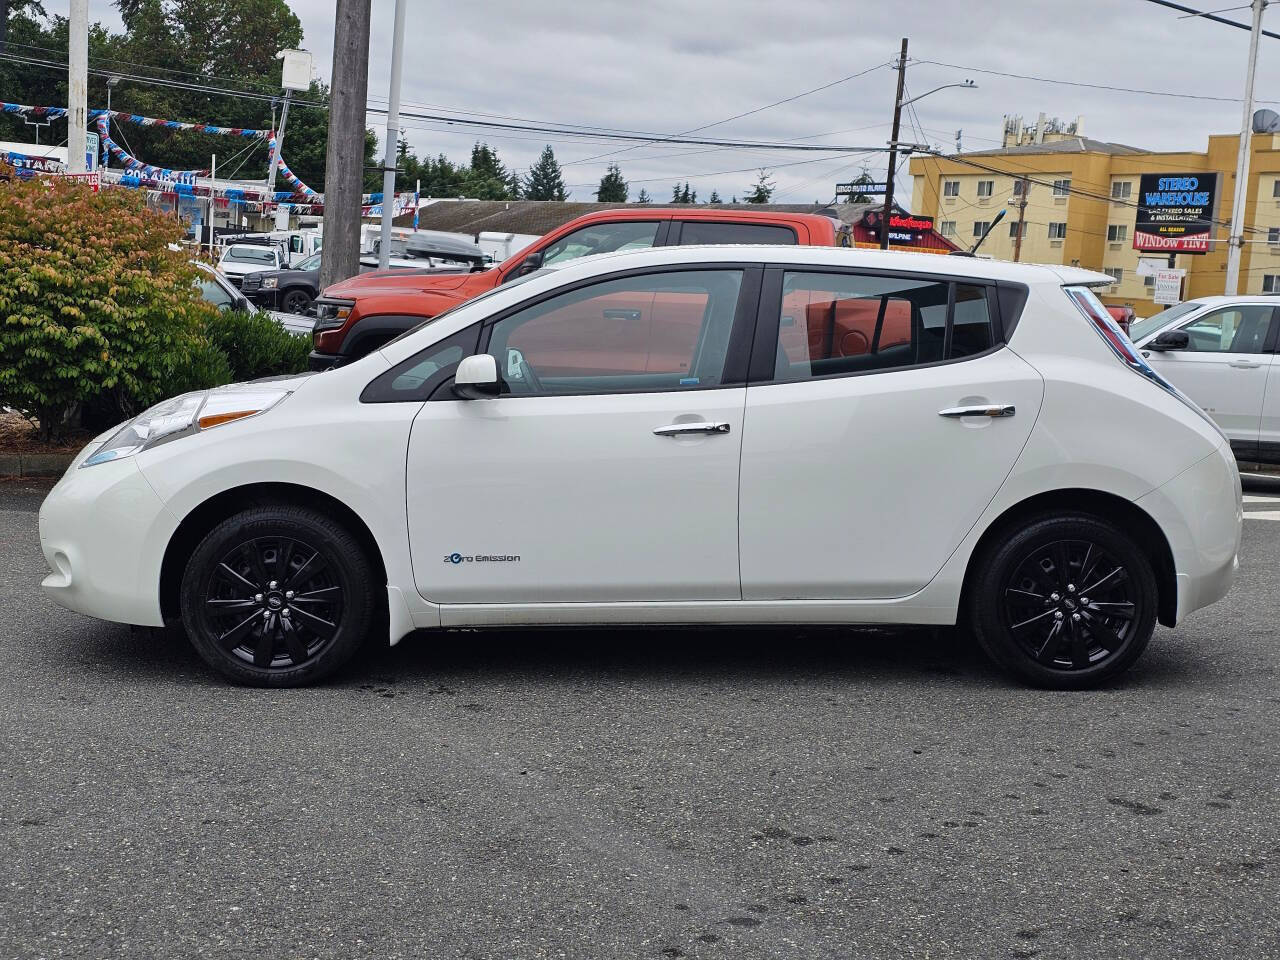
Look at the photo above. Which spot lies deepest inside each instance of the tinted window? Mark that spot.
(602, 238)
(664, 331)
(842, 323)
(262, 255)
(1141, 328)
(421, 375)
(696, 231)
(1241, 329)
(212, 292)
(311, 263)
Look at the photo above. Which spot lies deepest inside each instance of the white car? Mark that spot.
(217, 290)
(239, 259)
(1220, 351)
(711, 435)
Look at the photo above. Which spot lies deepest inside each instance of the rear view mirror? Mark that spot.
(477, 378)
(1170, 340)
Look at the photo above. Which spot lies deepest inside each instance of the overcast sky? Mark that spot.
(668, 66)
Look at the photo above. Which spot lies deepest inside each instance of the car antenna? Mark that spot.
(977, 243)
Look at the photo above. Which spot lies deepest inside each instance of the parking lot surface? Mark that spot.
(628, 793)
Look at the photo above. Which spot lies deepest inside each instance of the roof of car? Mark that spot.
(854, 257)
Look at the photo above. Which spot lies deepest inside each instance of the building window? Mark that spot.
(1062, 188)
(1275, 189)
(948, 228)
(1013, 229)
(1019, 186)
(980, 227)
(1273, 234)
(951, 188)
(1115, 273)
(985, 188)
(1149, 282)
(1271, 283)
(1121, 190)
(1057, 231)
(1117, 233)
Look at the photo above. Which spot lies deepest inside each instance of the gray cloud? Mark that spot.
(668, 66)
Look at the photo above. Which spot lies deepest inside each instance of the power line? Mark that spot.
(1211, 16)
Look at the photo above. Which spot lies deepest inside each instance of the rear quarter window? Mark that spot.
(709, 232)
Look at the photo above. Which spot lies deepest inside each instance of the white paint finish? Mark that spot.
(855, 487)
(595, 505)
(1227, 386)
(1269, 421)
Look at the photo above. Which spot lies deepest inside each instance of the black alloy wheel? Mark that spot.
(295, 301)
(277, 596)
(1064, 602)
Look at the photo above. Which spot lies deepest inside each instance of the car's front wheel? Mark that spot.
(278, 596)
(1065, 602)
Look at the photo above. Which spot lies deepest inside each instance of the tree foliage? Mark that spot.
(544, 181)
(762, 190)
(93, 302)
(643, 196)
(612, 189)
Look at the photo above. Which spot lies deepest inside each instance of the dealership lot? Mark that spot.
(638, 793)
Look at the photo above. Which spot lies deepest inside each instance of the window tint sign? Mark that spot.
(1175, 212)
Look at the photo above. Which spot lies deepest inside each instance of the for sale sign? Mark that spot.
(1175, 212)
(1168, 288)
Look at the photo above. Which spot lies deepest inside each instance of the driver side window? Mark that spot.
(647, 333)
(602, 238)
(1238, 329)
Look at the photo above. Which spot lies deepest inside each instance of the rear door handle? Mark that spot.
(622, 314)
(697, 426)
(985, 410)
(1244, 364)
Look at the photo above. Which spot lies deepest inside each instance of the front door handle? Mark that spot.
(1244, 364)
(986, 410)
(697, 426)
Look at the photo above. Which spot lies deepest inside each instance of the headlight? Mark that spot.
(269, 283)
(184, 415)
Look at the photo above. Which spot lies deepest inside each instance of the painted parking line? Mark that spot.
(1261, 507)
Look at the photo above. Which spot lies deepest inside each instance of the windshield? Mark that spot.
(260, 255)
(311, 263)
(1142, 328)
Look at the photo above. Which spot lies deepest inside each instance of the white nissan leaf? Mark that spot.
(713, 435)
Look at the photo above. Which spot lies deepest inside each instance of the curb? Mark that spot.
(34, 464)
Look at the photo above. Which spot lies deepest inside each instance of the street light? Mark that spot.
(112, 82)
(898, 104)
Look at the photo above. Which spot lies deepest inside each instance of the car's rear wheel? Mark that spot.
(278, 596)
(1065, 602)
(295, 301)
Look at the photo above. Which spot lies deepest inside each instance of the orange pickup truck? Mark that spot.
(359, 315)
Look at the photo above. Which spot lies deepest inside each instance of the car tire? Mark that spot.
(295, 301)
(278, 596)
(1065, 602)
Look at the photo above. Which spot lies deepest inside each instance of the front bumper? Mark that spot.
(323, 361)
(103, 532)
(264, 298)
(1200, 513)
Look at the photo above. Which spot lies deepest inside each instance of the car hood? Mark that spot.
(394, 281)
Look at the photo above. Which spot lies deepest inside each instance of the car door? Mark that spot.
(608, 469)
(861, 472)
(1224, 368)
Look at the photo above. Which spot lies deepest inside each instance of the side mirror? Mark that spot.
(1170, 340)
(477, 378)
(530, 263)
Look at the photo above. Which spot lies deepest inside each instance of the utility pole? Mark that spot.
(1022, 212)
(392, 137)
(77, 86)
(1236, 241)
(275, 156)
(893, 147)
(112, 83)
(344, 156)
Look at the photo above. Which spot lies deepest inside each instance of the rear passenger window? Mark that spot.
(833, 324)
(695, 231)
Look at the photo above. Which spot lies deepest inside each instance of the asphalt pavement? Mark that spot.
(638, 793)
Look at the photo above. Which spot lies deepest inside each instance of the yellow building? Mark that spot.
(1082, 205)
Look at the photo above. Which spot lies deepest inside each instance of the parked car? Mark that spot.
(217, 290)
(1122, 315)
(240, 259)
(1221, 352)
(363, 313)
(694, 435)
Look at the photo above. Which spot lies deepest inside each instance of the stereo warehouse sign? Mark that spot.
(1175, 212)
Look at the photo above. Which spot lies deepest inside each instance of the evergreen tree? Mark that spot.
(762, 190)
(734, 198)
(643, 196)
(613, 189)
(544, 181)
(690, 196)
(486, 178)
(714, 198)
(515, 186)
(675, 194)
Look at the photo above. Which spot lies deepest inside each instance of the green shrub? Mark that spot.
(94, 305)
(255, 345)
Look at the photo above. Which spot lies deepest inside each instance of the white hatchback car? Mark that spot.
(1220, 351)
(680, 435)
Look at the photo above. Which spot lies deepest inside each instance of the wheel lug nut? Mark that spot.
(1057, 614)
(266, 614)
(284, 612)
(1071, 587)
(1055, 597)
(271, 585)
(288, 594)
(257, 597)
(1084, 601)
(1075, 616)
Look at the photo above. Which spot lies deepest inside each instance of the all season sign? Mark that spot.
(1175, 212)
